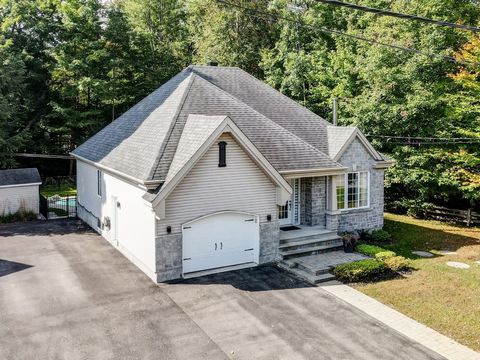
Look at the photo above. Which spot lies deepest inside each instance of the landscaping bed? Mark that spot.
(442, 297)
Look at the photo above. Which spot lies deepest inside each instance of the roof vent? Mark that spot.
(212, 63)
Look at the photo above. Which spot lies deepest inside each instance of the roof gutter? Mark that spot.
(384, 164)
(313, 172)
(146, 183)
(19, 185)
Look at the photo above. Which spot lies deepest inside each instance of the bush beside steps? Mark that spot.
(384, 264)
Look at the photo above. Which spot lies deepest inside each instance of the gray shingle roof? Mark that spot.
(132, 143)
(19, 177)
(144, 141)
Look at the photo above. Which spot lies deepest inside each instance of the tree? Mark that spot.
(230, 35)
(14, 102)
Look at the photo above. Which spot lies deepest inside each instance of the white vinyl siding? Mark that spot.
(208, 188)
(132, 220)
(16, 198)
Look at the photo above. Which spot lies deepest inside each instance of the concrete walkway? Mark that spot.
(408, 327)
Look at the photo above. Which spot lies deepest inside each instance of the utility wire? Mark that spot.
(399, 15)
(323, 29)
(422, 137)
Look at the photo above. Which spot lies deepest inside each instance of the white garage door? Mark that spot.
(218, 240)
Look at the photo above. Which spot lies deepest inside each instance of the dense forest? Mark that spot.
(69, 67)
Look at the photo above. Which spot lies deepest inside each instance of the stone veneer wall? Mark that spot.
(168, 250)
(312, 201)
(357, 158)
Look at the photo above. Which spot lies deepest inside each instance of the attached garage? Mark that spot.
(220, 240)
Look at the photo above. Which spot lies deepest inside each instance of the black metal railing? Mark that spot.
(58, 207)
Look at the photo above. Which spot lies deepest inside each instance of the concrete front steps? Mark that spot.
(316, 268)
(312, 276)
(311, 252)
(308, 241)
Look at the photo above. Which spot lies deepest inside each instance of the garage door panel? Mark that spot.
(220, 240)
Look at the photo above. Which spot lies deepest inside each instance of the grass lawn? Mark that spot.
(439, 296)
(64, 189)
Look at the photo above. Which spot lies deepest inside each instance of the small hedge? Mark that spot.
(384, 255)
(380, 236)
(397, 263)
(364, 270)
(369, 250)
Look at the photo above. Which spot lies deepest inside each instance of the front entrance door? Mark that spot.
(289, 214)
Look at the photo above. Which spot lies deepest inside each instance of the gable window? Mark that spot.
(222, 154)
(99, 183)
(351, 190)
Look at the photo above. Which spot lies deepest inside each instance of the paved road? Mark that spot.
(67, 294)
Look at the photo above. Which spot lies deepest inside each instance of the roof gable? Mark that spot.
(340, 138)
(191, 149)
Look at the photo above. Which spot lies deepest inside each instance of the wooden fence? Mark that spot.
(467, 217)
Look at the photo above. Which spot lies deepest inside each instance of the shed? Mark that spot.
(19, 190)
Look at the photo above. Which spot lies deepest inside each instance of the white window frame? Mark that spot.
(99, 183)
(345, 194)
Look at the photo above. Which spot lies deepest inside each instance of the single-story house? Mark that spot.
(19, 191)
(204, 172)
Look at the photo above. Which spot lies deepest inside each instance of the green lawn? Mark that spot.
(64, 189)
(444, 298)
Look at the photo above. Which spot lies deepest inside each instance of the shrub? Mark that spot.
(397, 263)
(369, 250)
(384, 255)
(380, 236)
(21, 215)
(369, 269)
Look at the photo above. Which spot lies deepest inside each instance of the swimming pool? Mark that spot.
(71, 201)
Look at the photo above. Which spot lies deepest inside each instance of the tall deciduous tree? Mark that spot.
(231, 35)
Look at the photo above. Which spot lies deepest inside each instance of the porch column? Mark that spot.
(332, 217)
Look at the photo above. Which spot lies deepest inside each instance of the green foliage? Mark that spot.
(383, 255)
(364, 270)
(397, 263)
(380, 236)
(230, 35)
(13, 101)
(21, 215)
(369, 250)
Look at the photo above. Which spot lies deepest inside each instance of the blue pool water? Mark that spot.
(66, 202)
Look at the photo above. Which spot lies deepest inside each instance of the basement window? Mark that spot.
(222, 154)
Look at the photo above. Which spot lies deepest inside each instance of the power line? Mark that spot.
(399, 15)
(341, 33)
(422, 137)
(421, 140)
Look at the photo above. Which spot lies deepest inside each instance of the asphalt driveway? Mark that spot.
(65, 293)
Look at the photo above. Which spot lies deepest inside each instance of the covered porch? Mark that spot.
(317, 202)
